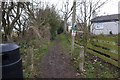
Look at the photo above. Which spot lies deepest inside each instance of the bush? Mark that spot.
(60, 30)
(110, 33)
(53, 18)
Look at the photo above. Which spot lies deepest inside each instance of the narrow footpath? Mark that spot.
(56, 64)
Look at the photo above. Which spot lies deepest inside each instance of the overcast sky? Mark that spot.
(111, 7)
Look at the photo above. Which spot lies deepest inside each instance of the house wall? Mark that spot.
(119, 27)
(105, 28)
(69, 28)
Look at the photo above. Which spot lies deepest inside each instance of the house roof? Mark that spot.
(107, 18)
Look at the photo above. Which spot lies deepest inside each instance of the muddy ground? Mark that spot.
(56, 64)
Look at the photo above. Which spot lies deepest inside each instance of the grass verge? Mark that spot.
(32, 54)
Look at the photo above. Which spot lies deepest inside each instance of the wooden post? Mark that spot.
(81, 59)
(73, 21)
(73, 40)
(0, 42)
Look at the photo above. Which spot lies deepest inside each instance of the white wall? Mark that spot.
(105, 28)
(119, 26)
(69, 28)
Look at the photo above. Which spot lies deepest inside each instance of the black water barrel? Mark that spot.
(11, 61)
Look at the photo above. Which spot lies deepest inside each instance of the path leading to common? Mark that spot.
(56, 64)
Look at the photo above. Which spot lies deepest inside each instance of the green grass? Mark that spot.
(75, 58)
(106, 38)
(99, 69)
(38, 53)
(103, 41)
(65, 41)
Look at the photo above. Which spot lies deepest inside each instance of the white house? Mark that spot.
(69, 28)
(106, 24)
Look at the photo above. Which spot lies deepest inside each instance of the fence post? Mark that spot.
(81, 59)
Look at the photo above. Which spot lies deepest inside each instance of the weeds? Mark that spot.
(98, 69)
(32, 54)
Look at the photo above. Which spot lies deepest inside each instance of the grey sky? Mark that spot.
(109, 8)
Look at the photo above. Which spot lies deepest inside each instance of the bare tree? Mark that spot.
(11, 13)
(37, 17)
(87, 8)
(66, 13)
(17, 16)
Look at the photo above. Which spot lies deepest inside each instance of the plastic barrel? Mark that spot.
(11, 61)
